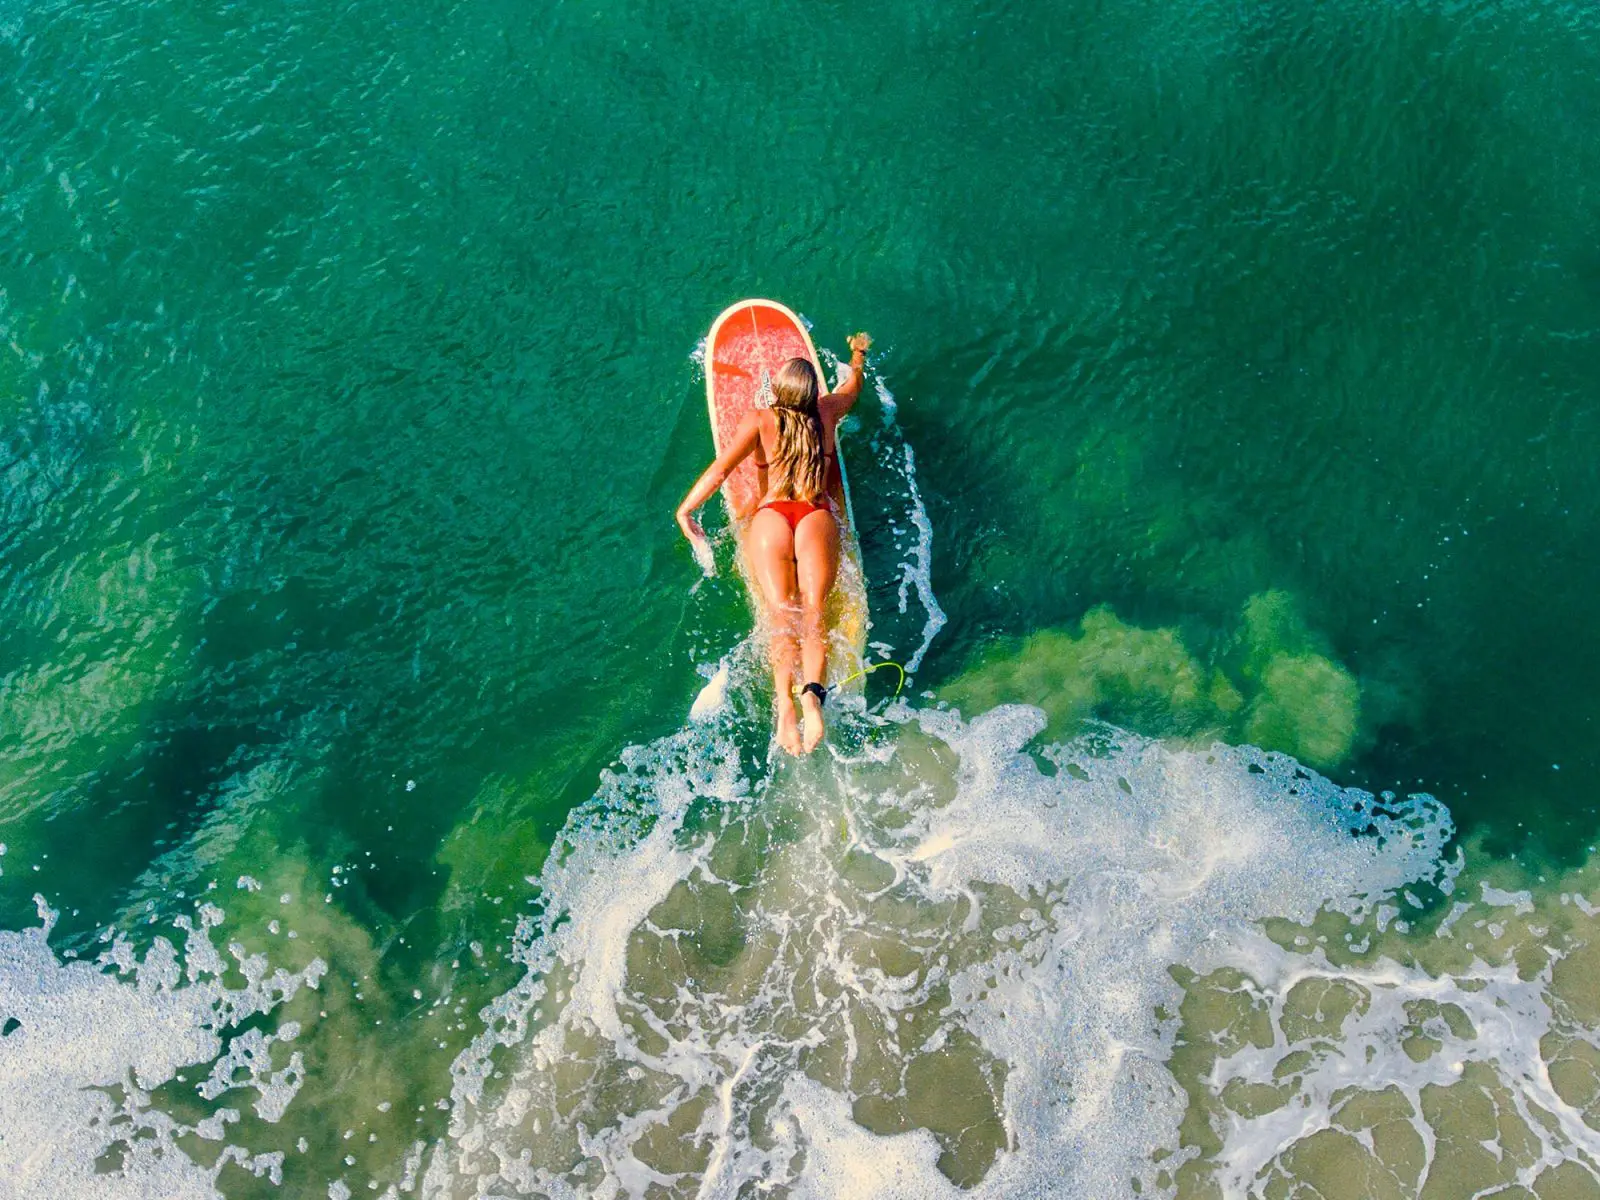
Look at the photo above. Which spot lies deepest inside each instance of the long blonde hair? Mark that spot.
(798, 469)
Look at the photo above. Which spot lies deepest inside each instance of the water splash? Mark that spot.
(915, 551)
(943, 954)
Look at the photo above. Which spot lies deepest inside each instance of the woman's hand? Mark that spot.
(698, 542)
(860, 343)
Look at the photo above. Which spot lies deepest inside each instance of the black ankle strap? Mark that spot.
(817, 690)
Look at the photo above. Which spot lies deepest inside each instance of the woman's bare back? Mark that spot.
(831, 409)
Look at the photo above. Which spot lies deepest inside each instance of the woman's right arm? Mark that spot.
(714, 476)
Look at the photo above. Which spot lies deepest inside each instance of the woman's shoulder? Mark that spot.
(766, 425)
(833, 407)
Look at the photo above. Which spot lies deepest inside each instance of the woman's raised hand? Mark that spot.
(860, 343)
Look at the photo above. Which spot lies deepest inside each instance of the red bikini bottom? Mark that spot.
(793, 510)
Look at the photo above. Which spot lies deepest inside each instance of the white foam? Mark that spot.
(704, 557)
(1508, 1015)
(916, 564)
(1522, 901)
(77, 1070)
(843, 1159)
(918, 570)
(1029, 922)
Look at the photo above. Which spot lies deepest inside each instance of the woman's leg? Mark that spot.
(770, 545)
(816, 554)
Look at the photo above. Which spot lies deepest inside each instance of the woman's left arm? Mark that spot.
(843, 400)
(744, 441)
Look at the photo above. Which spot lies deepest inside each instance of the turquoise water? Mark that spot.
(1235, 385)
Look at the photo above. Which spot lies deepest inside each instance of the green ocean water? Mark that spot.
(348, 382)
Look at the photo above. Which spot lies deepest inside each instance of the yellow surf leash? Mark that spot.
(866, 670)
(870, 668)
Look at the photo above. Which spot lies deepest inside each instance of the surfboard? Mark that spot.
(747, 345)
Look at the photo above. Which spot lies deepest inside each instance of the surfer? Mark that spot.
(792, 539)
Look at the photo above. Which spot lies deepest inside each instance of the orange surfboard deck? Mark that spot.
(748, 343)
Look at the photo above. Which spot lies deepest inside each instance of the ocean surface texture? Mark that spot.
(1227, 480)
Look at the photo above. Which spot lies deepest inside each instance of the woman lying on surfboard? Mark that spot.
(793, 538)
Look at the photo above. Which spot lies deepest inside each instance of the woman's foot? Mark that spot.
(788, 725)
(813, 729)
